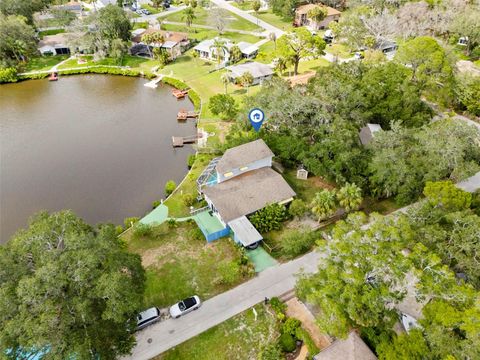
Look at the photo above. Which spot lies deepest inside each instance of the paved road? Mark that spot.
(274, 281)
(153, 17)
(253, 19)
(199, 26)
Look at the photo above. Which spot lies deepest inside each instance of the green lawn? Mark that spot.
(179, 263)
(340, 50)
(41, 34)
(43, 62)
(151, 9)
(204, 34)
(176, 207)
(311, 65)
(275, 20)
(241, 337)
(203, 18)
(132, 61)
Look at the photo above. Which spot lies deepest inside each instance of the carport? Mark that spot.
(244, 232)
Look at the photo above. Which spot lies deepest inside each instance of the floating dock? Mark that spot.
(184, 115)
(154, 83)
(179, 141)
(179, 94)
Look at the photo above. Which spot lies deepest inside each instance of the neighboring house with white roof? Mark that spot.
(259, 71)
(367, 133)
(238, 184)
(206, 50)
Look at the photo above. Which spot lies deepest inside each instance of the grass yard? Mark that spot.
(152, 9)
(41, 34)
(306, 189)
(241, 337)
(340, 50)
(132, 61)
(275, 20)
(204, 34)
(203, 18)
(140, 25)
(176, 207)
(43, 62)
(179, 263)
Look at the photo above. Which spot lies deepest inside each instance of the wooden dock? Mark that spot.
(179, 94)
(184, 115)
(179, 141)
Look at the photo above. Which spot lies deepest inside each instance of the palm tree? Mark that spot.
(189, 16)
(272, 36)
(281, 65)
(225, 80)
(219, 48)
(324, 204)
(246, 80)
(153, 39)
(350, 197)
(235, 54)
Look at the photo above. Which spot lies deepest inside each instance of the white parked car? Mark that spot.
(185, 306)
(148, 317)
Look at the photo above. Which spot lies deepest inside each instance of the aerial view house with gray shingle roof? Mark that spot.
(351, 348)
(259, 71)
(241, 183)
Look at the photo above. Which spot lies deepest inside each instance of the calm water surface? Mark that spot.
(99, 145)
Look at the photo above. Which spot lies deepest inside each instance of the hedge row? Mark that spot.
(92, 70)
(195, 99)
(177, 84)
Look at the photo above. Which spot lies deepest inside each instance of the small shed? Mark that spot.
(302, 174)
(244, 232)
(367, 133)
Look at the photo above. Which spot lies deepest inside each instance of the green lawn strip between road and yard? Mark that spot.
(241, 337)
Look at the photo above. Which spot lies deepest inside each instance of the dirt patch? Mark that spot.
(301, 79)
(321, 183)
(296, 309)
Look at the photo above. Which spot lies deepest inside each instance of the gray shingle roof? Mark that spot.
(351, 348)
(248, 192)
(257, 70)
(243, 155)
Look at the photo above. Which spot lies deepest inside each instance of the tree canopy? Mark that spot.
(69, 289)
(17, 40)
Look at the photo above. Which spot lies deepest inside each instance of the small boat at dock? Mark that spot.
(53, 76)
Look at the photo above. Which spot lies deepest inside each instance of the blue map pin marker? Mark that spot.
(256, 117)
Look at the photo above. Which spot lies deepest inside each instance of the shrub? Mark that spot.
(278, 306)
(297, 208)
(177, 84)
(140, 230)
(191, 160)
(8, 75)
(271, 352)
(188, 199)
(195, 99)
(118, 229)
(287, 342)
(130, 221)
(290, 326)
(224, 105)
(172, 223)
(269, 218)
(296, 242)
(170, 187)
(229, 272)
(155, 204)
(303, 335)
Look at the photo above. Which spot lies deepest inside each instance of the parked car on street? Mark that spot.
(185, 306)
(148, 317)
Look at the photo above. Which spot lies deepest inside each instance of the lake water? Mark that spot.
(99, 145)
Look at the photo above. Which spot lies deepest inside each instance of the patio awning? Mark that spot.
(244, 231)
